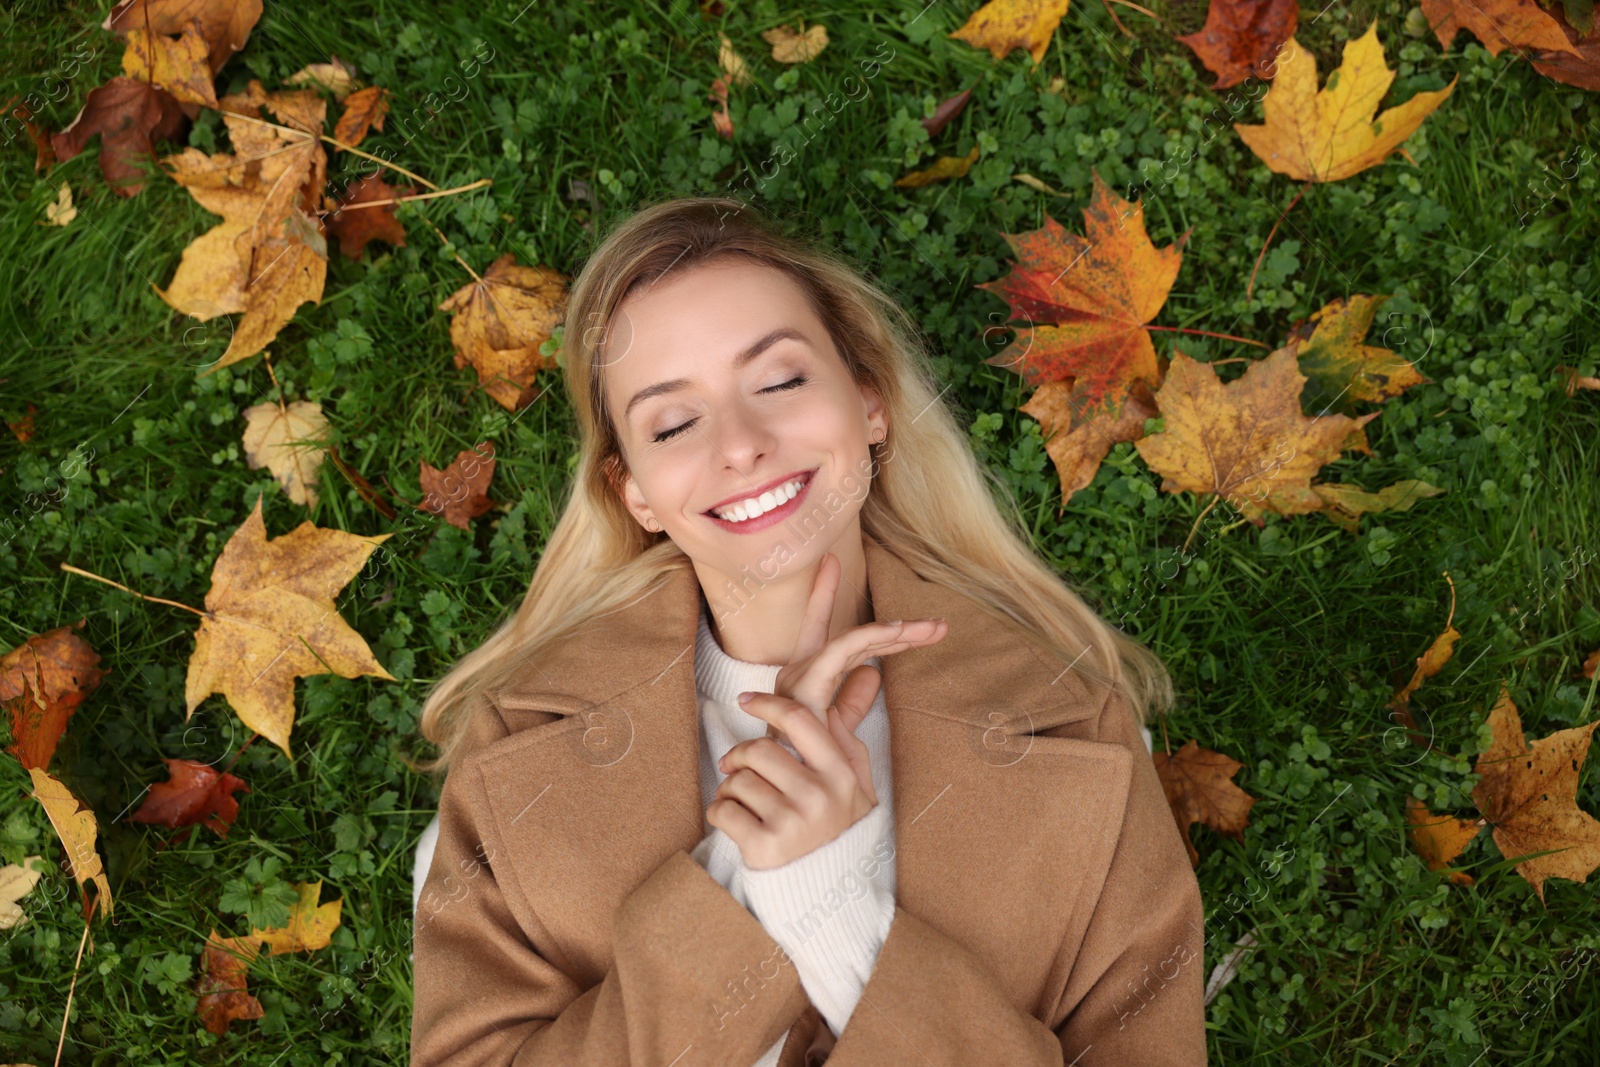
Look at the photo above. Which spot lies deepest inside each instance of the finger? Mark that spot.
(818, 615)
(806, 732)
(759, 796)
(855, 751)
(852, 649)
(733, 819)
(774, 761)
(857, 695)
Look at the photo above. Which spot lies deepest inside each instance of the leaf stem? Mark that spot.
(1209, 333)
(1263, 253)
(480, 183)
(337, 144)
(125, 589)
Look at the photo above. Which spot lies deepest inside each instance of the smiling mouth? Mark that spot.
(763, 504)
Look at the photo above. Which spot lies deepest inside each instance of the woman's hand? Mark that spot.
(777, 808)
(820, 667)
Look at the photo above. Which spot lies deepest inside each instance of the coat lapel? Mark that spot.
(1006, 808)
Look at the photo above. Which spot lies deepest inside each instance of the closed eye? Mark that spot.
(792, 383)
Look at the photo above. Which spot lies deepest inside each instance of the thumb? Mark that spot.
(857, 694)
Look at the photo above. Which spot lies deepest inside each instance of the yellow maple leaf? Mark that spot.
(1002, 26)
(1246, 441)
(500, 323)
(75, 824)
(270, 618)
(310, 927)
(177, 64)
(1328, 135)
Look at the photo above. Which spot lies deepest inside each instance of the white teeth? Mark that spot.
(773, 498)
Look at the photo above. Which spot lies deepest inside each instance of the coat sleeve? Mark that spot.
(1143, 1009)
(695, 980)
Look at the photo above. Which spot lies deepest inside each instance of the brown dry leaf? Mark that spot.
(1246, 441)
(1592, 664)
(42, 682)
(337, 76)
(1433, 660)
(363, 110)
(1497, 24)
(270, 618)
(76, 827)
(193, 793)
(130, 117)
(310, 927)
(362, 486)
(355, 228)
(290, 441)
(225, 24)
(176, 64)
(1577, 65)
(796, 46)
(1199, 788)
(1439, 839)
(1243, 38)
(1575, 380)
(945, 167)
(1344, 504)
(1328, 135)
(22, 429)
(734, 66)
(721, 118)
(1529, 794)
(947, 110)
(268, 255)
(223, 988)
(1002, 26)
(459, 492)
(1077, 451)
(501, 321)
(1341, 369)
(44, 155)
(16, 882)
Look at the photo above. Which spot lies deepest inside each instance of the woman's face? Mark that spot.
(724, 384)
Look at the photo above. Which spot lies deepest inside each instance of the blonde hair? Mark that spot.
(932, 503)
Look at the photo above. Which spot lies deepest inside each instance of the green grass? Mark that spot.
(1284, 641)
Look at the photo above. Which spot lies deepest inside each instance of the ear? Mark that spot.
(877, 411)
(633, 500)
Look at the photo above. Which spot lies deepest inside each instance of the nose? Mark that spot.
(742, 438)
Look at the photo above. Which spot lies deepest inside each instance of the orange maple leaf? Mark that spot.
(1098, 291)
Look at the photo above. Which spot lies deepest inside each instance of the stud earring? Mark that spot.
(881, 436)
(652, 525)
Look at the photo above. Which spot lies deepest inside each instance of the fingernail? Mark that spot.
(745, 698)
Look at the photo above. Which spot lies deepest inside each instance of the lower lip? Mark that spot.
(771, 518)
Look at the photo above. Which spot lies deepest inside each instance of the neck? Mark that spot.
(757, 620)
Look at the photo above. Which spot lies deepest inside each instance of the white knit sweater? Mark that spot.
(829, 910)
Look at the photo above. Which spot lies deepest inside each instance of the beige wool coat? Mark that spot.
(1046, 912)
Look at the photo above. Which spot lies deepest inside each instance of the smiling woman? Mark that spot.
(672, 765)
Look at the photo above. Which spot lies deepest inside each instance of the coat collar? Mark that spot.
(1006, 808)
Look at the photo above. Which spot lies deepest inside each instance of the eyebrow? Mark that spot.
(760, 345)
